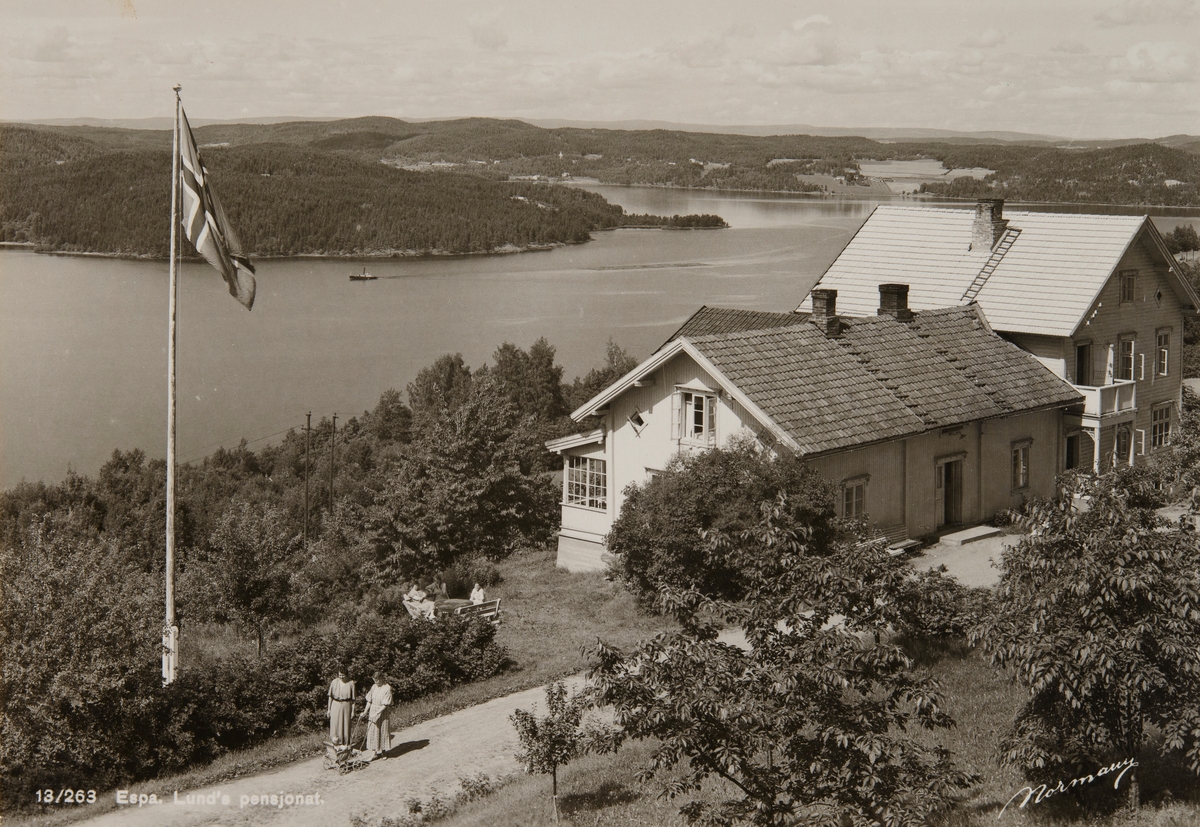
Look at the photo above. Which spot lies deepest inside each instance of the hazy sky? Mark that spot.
(1076, 68)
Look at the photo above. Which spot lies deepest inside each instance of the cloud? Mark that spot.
(486, 33)
(1071, 47)
(1140, 12)
(1156, 63)
(811, 21)
(986, 39)
(54, 46)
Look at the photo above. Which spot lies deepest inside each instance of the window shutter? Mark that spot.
(677, 413)
(1141, 441)
(710, 421)
(1141, 366)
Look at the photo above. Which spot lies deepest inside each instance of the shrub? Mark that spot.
(659, 534)
(84, 703)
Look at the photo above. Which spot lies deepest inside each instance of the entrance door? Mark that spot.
(947, 497)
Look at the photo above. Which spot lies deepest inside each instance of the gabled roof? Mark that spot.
(729, 320)
(1046, 282)
(881, 379)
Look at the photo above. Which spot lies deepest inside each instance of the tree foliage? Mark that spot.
(556, 738)
(809, 726)
(659, 533)
(1098, 616)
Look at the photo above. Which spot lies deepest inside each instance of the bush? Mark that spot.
(659, 534)
(84, 704)
(461, 578)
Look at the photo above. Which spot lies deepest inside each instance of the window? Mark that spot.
(696, 417)
(1128, 287)
(1162, 361)
(1125, 359)
(587, 482)
(1124, 443)
(1072, 460)
(854, 498)
(1160, 426)
(1020, 466)
(637, 421)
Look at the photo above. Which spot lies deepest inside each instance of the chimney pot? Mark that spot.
(824, 314)
(893, 301)
(989, 225)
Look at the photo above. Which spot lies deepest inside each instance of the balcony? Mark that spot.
(1106, 400)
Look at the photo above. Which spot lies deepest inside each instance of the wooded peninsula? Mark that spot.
(381, 186)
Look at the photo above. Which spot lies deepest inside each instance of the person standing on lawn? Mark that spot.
(378, 716)
(341, 708)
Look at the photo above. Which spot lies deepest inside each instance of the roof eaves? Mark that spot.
(621, 385)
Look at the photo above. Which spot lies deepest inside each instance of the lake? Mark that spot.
(83, 339)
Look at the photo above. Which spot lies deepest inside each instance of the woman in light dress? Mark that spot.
(378, 716)
(341, 708)
(477, 595)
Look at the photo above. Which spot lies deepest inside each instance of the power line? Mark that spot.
(219, 445)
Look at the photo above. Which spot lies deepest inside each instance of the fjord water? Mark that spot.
(83, 339)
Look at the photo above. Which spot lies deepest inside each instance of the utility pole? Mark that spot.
(332, 434)
(307, 432)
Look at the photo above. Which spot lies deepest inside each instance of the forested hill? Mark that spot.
(380, 185)
(108, 191)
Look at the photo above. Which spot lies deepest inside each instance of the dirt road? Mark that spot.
(428, 757)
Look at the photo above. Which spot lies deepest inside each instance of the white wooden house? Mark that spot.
(1098, 299)
(924, 419)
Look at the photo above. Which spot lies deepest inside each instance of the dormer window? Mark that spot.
(695, 416)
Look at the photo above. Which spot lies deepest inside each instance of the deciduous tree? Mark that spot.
(809, 725)
(1098, 616)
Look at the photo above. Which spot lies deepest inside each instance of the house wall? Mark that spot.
(1046, 458)
(632, 455)
(1155, 307)
(1051, 351)
(901, 487)
(884, 466)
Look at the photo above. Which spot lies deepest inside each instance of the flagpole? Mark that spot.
(170, 658)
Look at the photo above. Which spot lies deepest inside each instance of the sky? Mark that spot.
(1071, 68)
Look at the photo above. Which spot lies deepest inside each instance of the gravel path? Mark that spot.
(429, 757)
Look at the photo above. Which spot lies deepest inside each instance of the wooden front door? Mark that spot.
(947, 498)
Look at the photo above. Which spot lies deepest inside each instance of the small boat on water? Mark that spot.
(363, 276)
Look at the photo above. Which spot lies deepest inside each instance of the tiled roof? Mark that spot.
(1045, 283)
(882, 379)
(709, 320)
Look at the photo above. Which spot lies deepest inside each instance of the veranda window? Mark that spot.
(587, 482)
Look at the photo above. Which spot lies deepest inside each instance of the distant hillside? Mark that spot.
(80, 189)
(378, 185)
(1137, 174)
(878, 133)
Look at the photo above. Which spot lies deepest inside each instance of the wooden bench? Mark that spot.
(487, 610)
(897, 540)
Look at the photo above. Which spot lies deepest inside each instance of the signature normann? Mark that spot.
(1042, 792)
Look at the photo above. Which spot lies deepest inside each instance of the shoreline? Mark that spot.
(507, 250)
(373, 256)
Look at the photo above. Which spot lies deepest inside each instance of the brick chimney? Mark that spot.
(893, 301)
(824, 312)
(989, 225)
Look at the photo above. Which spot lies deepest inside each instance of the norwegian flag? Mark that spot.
(205, 224)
